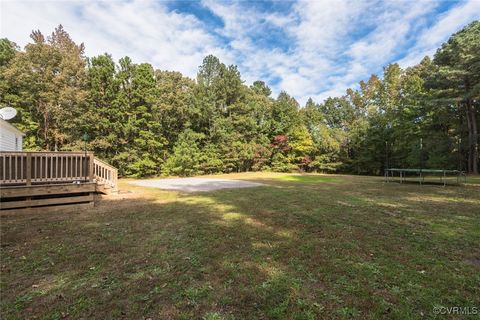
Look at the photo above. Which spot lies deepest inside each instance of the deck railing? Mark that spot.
(29, 168)
(105, 173)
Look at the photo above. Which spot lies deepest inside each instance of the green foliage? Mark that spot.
(455, 83)
(144, 166)
(186, 157)
(260, 87)
(282, 163)
(146, 121)
(46, 83)
(301, 145)
(211, 159)
(7, 51)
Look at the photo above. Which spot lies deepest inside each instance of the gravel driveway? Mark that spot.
(195, 184)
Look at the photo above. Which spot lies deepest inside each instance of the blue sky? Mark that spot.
(307, 48)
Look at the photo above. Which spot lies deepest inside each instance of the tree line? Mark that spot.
(149, 122)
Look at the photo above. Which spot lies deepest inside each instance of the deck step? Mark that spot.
(104, 188)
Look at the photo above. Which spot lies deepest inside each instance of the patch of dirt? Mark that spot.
(195, 184)
(474, 261)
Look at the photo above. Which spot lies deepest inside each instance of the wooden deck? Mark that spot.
(39, 180)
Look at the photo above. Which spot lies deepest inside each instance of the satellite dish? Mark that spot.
(7, 113)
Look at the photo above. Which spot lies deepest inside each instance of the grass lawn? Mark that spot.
(301, 247)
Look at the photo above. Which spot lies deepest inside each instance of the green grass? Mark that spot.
(301, 247)
(437, 179)
(473, 179)
(308, 178)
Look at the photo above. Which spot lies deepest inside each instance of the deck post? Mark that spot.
(90, 167)
(29, 169)
(91, 174)
(28, 177)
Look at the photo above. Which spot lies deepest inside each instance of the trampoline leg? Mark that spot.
(444, 181)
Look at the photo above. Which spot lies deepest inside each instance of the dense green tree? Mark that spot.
(285, 114)
(103, 122)
(147, 122)
(47, 86)
(456, 84)
(174, 104)
(8, 50)
(186, 158)
(260, 87)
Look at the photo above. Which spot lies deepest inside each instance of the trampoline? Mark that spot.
(422, 173)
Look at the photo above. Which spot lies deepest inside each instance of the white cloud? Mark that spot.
(323, 24)
(394, 23)
(315, 29)
(431, 38)
(332, 44)
(143, 30)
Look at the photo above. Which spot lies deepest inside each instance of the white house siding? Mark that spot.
(11, 139)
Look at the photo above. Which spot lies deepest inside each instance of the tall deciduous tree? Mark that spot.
(147, 121)
(457, 81)
(49, 78)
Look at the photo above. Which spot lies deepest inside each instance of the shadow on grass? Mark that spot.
(138, 258)
(287, 252)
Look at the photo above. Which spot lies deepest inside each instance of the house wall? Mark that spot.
(10, 140)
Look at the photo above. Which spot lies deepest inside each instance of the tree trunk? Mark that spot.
(472, 133)
(469, 148)
(473, 124)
